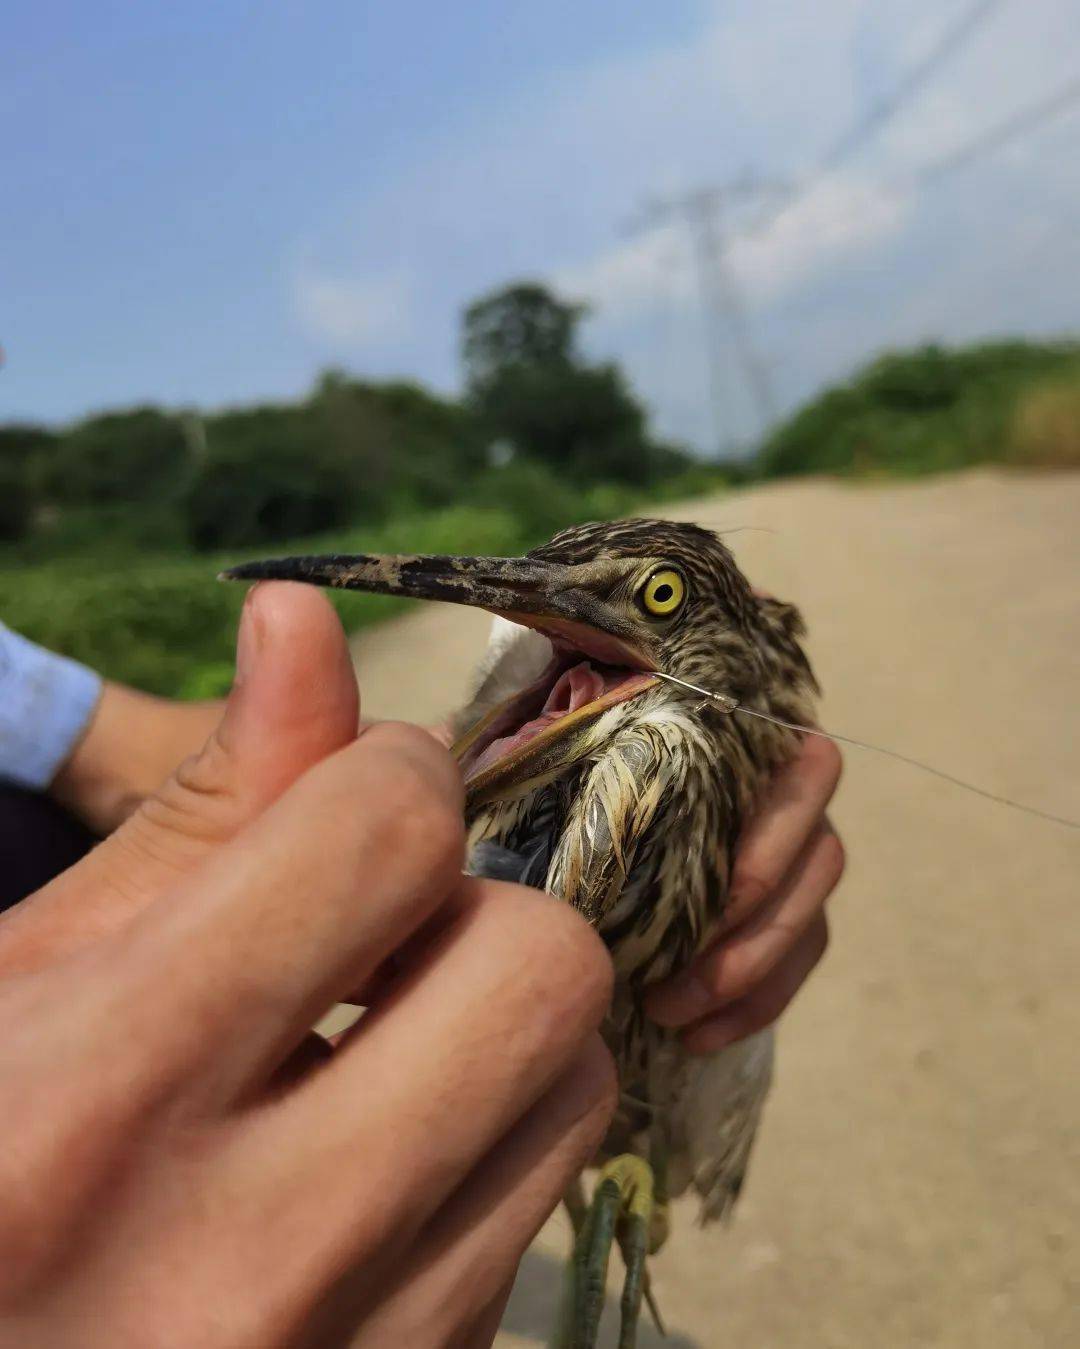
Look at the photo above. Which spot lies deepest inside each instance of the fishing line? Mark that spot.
(729, 705)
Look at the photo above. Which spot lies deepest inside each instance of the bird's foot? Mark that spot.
(624, 1210)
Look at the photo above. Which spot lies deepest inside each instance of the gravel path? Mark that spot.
(917, 1181)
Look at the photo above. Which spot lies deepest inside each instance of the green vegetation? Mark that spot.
(116, 527)
(928, 410)
(112, 530)
(162, 622)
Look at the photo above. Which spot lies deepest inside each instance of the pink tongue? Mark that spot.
(573, 689)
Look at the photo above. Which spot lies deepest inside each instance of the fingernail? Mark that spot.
(683, 1000)
(249, 638)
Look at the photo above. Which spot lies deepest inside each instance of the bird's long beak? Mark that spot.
(495, 583)
(533, 734)
(544, 595)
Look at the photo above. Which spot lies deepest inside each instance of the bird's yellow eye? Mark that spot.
(662, 593)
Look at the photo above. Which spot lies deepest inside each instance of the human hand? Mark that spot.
(130, 746)
(185, 1162)
(774, 930)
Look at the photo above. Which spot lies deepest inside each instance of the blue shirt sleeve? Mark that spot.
(46, 702)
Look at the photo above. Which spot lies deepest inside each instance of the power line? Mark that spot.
(1027, 120)
(1023, 122)
(952, 41)
(1018, 124)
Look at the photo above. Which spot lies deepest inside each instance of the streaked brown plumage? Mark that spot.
(626, 805)
(638, 832)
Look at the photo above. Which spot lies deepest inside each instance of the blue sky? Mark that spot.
(208, 203)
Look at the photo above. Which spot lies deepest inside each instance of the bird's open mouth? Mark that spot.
(598, 658)
(516, 741)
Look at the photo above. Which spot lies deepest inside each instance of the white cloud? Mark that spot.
(543, 184)
(355, 311)
(826, 227)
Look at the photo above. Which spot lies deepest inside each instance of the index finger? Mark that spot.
(793, 806)
(230, 969)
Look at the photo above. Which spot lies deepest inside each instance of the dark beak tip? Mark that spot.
(249, 571)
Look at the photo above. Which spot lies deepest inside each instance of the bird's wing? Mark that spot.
(713, 1119)
(618, 800)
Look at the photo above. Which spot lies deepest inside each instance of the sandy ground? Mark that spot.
(917, 1181)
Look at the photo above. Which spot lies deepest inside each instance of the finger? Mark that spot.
(458, 1273)
(294, 702)
(743, 959)
(793, 806)
(230, 970)
(762, 1007)
(431, 1080)
(311, 1053)
(482, 1334)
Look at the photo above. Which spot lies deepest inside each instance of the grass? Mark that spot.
(159, 619)
(163, 622)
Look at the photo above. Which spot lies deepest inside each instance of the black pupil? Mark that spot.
(663, 593)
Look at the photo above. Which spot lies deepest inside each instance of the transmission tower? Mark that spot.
(704, 212)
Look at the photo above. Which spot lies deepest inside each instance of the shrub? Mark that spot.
(267, 474)
(916, 412)
(24, 453)
(16, 500)
(137, 455)
(1046, 430)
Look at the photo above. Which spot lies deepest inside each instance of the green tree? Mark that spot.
(404, 445)
(136, 455)
(267, 475)
(25, 454)
(519, 325)
(532, 389)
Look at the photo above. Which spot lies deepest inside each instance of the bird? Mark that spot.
(595, 771)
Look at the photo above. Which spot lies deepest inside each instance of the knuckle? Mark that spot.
(420, 802)
(424, 827)
(740, 973)
(575, 949)
(749, 888)
(198, 802)
(567, 955)
(412, 745)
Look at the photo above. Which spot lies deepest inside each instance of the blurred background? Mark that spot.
(451, 276)
(445, 278)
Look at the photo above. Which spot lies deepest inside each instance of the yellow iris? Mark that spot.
(663, 592)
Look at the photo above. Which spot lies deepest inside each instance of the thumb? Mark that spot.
(293, 703)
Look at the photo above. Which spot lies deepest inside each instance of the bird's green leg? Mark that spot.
(622, 1209)
(577, 1209)
(656, 1234)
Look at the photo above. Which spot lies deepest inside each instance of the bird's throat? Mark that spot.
(536, 730)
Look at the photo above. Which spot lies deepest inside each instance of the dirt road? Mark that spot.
(917, 1181)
